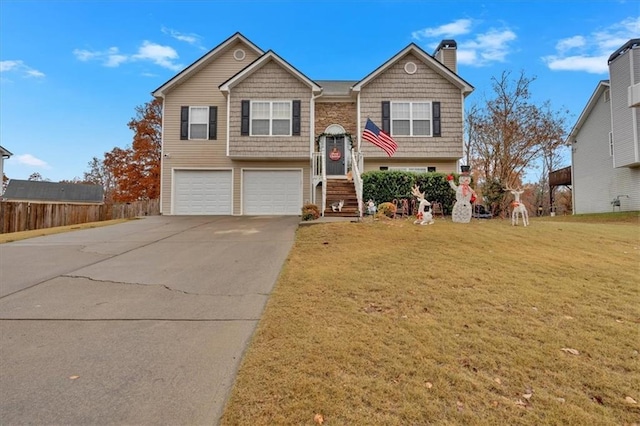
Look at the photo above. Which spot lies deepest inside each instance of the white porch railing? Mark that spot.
(320, 175)
(356, 164)
(318, 164)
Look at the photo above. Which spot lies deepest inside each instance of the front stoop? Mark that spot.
(341, 189)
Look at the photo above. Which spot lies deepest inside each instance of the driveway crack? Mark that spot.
(166, 287)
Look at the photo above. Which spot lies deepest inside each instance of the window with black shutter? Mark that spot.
(198, 122)
(412, 118)
(184, 123)
(296, 119)
(213, 122)
(437, 131)
(245, 118)
(386, 116)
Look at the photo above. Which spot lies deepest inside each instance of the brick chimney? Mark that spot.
(446, 53)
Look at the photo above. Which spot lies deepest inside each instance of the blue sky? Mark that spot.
(72, 72)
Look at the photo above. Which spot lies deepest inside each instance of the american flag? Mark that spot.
(379, 138)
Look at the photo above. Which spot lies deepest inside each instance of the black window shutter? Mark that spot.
(386, 116)
(184, 123)
(437, 131)
(213, 122)
(244, 125)
(296, 118)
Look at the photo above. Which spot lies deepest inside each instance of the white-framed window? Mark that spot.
(199, 122)
(411, 119)
(607, 95)
(271, 118)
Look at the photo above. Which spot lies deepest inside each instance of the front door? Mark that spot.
(335, 155)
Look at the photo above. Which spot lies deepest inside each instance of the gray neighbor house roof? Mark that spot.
(40, 191)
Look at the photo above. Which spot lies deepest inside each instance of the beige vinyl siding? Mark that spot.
(270, 83)
(625, 120)
(201, 89)
(424, 85)
(269, 165)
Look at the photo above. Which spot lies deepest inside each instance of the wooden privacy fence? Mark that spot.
(26, 216)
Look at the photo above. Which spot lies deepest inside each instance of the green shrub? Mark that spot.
(390, 185)
(310, 212)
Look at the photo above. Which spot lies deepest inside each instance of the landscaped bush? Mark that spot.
(385, 186)
(310, 212)
(387, 209)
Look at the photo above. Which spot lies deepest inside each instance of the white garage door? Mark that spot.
(206, 192)
(272, 192)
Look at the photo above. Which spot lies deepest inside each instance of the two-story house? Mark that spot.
(246, 133)
(605, 148)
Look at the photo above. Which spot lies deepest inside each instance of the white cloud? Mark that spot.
(590, 64)
(30, 160)
(193, 39)
(21, 68)
(110, 57)
(492, 46)
(455, 28)
(163, 56)
(84, 55)
(9, 65)
(478, 49)
(589, 53)
(570, 43)
(158, 54)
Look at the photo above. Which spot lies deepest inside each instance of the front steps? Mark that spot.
(341, 189)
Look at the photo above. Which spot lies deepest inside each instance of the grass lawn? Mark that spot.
(389, 323)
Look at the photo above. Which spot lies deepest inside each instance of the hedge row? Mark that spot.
(385, 186)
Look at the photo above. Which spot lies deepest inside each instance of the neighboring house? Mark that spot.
(246, 133)
(4, 155)
(605, 149)
(52, 192)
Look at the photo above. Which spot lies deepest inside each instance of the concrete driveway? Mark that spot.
(143, 322)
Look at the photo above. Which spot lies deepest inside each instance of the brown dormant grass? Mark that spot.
(389, 323)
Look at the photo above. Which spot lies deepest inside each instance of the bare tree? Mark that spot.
(35, 176)
(511, 133)
(100, 175)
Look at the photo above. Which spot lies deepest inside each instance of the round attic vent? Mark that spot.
(239, 55)
(410, 67)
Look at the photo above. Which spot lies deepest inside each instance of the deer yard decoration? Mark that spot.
(424, 216)
(518, 208)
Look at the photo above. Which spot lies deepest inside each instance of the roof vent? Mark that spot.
(239, 55)
(410, 67)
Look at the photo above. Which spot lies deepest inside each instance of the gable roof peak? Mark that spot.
(269, 55)
(434, 63)
(206, 58)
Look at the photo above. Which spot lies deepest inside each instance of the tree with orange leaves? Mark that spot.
(133, 173)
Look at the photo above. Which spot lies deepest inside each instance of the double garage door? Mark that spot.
(264, 192)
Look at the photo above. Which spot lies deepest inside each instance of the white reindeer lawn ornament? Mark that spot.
(425, 217)
(518, 208)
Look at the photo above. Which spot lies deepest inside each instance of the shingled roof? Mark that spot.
(30, 190)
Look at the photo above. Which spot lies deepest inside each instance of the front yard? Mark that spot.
(389, 323)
